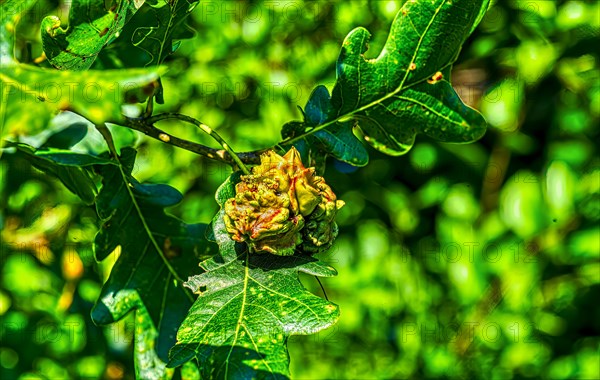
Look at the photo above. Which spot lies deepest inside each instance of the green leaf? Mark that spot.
(68, 137)
(318, 106)
(91, 27)
(31, 95)
(406, 89)
(168, 26)
(485, 6)
(60, 156)
(337, 140)
(156, 249)
(148, 365)
(72, 169)
(248, 306)
(10, 13)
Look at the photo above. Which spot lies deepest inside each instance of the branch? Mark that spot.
(146, 126)
(206, 129)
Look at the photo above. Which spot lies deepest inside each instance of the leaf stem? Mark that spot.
(149, 107)
(322, 288)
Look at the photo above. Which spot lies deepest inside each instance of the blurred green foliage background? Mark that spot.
(455, 261)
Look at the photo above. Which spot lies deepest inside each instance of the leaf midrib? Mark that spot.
(147, 229)
(165, 36)
(244, 302)
(241, 315)
(171, 16)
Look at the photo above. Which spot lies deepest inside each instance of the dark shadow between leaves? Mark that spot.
(269, 262)
(209, 358)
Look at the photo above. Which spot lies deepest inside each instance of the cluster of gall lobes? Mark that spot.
(283, 207)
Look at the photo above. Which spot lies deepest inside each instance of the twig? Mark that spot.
(146, 127)
(206, 129)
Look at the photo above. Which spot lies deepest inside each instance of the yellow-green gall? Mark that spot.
(282, 206)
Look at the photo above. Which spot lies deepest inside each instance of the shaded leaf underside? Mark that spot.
(72, 169)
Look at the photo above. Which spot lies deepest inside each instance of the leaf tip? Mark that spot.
(179, 355)
(101, 315)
